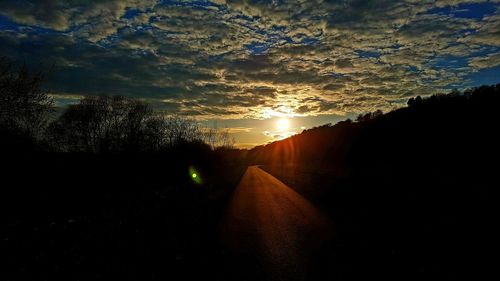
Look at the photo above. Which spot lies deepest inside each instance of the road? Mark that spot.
(269, 220)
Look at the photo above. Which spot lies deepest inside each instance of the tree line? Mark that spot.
(97, 124)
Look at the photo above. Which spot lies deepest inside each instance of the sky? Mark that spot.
(243, 64)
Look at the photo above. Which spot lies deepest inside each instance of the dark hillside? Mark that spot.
(414, 198)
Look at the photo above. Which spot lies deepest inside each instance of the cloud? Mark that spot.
(251, 58)
(491, 60)
(239, 130)
(487, 32)
(46, 13)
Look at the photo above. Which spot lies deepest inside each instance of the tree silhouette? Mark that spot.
(114, 124)
(368, 116)
(101, 124)
(218, 138)
(414, 101)
(24, 105)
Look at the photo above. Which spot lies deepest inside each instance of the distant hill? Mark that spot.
(441, 132)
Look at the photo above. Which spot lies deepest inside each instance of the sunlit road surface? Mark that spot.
(271, 221)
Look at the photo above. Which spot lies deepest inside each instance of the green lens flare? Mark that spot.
(195, 175)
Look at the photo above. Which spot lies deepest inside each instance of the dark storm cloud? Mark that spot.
(255, 58)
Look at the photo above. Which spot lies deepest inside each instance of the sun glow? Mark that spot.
(283, 124)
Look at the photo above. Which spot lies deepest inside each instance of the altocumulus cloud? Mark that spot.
(251, 58)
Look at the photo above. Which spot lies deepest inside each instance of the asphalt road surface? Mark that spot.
(272, 222)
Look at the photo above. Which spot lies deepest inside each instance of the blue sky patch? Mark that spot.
(131, 13)
(450, 62)
(468, 11)
(486, 76)
(368, 54)
(257, 48)
(310, 41)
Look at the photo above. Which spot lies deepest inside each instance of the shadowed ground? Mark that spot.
(269, 220)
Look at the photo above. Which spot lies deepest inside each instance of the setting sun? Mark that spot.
(283, 124)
